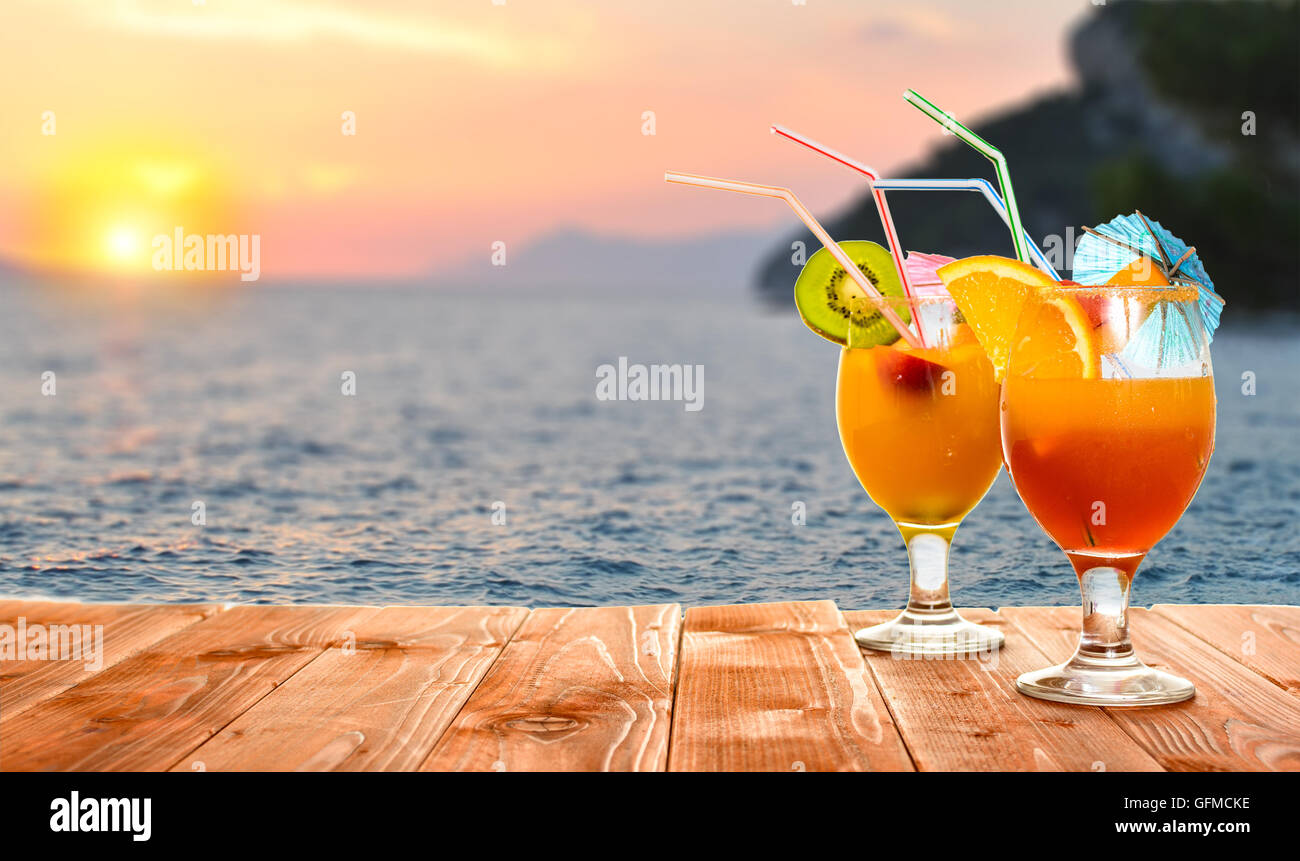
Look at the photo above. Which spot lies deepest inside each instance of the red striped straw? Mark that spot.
(882, 207)
(807, 218)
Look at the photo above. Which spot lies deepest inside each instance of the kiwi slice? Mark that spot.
(834, 306)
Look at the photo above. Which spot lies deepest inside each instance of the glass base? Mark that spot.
(1105, 682)
(914, 633)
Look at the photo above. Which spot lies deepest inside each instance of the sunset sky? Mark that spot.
(474, 122)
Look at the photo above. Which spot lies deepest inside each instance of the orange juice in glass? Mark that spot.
(919, 426)
(1107, 439)
(1137, 447)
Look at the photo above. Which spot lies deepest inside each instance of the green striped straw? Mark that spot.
(986, 149)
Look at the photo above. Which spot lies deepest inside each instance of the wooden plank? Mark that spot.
(778, 687)
(126, 629)
(1266, 639)
(574, 690)
(378, 705)
(149, 711)
(1238, 721)
(966, 715)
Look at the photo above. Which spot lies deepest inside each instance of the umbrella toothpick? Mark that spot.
(1160, 246)
(1121, 243)
(1181, 260)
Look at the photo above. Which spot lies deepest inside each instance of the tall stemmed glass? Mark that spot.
(920, 429)
(1107, 428)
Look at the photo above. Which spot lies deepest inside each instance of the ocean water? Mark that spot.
(483, 402)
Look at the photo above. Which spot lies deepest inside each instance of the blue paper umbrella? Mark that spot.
(1167, 338)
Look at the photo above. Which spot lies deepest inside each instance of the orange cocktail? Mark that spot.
(919, 425)
(1107, 428)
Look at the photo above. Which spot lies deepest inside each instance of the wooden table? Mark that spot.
(780, 687)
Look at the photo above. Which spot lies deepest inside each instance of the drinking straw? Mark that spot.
(807, 218)
(882, 207)
(984, 187)
(985, 149)
(880, 186)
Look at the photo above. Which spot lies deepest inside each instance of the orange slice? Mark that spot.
(1057, 342)
(1142, 272)
(991, 292)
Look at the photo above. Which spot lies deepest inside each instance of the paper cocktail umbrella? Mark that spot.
(1112, 246)
(1170, 336)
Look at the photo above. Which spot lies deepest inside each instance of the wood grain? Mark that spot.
(126, 630)
(772, 687)
(377, 704)
(574, 690)
(1266, 639)
(149, 711)
(966, 715)
(1238, 721)
(778, 687)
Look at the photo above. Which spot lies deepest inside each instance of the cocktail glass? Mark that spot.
(1107, 447)
(920, 429)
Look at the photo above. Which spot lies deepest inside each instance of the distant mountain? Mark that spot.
(574, 258)
(1156, 124)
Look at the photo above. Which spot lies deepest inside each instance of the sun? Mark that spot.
(101, 208)
(122, 245)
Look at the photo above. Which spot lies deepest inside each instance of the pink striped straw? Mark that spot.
(882, 207)
(807, 218)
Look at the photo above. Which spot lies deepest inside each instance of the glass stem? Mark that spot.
(1105, 590)
(927, 554)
